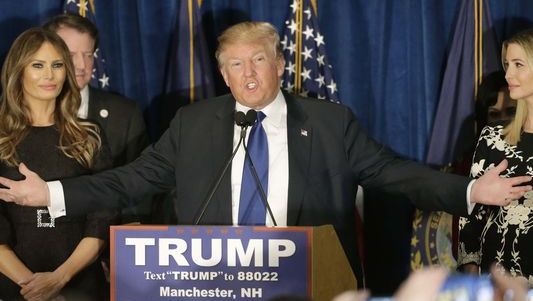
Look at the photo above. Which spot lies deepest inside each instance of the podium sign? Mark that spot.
(209, 262)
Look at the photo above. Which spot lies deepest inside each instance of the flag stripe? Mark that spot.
(191, 50)
(479, 45)
(189, 76)
(314, 5)
(480, 50)
(298, 76)
(82, 11)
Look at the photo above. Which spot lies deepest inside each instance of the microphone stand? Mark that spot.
(243, 121)
(240, 120)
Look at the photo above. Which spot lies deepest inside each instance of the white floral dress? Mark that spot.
(494, 234)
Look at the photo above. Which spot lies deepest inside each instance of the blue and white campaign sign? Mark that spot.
(209, 262)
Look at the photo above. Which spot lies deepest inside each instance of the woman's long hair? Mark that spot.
(514, 129)
(77, 139)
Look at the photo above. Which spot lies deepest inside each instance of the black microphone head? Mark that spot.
(240, 119)
(251, 117)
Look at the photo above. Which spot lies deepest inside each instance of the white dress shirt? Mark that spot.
(275, 125)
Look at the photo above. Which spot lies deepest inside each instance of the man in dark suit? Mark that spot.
(119, 117)
(317, 154)
(122, 121)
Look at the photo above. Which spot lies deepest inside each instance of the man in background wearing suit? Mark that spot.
(317, 154)
(120, 118)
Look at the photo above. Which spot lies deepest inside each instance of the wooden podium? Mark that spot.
(331, 270)
(227, 263)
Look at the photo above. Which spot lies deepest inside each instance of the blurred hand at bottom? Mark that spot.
(507, 288)
(422, 285)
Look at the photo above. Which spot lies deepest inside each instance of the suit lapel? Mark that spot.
(299, 136)
(222, 140)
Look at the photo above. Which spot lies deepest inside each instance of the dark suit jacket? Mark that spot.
(123, 125)
(329, 154)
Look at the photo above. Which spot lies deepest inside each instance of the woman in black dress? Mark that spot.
(42, 258)
(504, 235)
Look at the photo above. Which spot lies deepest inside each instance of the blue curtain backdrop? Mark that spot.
(388, 56)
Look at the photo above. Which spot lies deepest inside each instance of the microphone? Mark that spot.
(251, 117)
(242, 121)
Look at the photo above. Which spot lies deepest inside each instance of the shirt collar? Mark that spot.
(274, 111)
(85, 93)
(83, 111)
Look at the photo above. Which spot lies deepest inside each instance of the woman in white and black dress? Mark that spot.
(504, 235)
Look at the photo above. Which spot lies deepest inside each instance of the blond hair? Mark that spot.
(77, 139)
(249, 32)
(514, 129)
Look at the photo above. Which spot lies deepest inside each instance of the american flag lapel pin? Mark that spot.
(303, 132)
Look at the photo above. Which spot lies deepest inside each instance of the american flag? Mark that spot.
(307, 71)
(85, 8)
